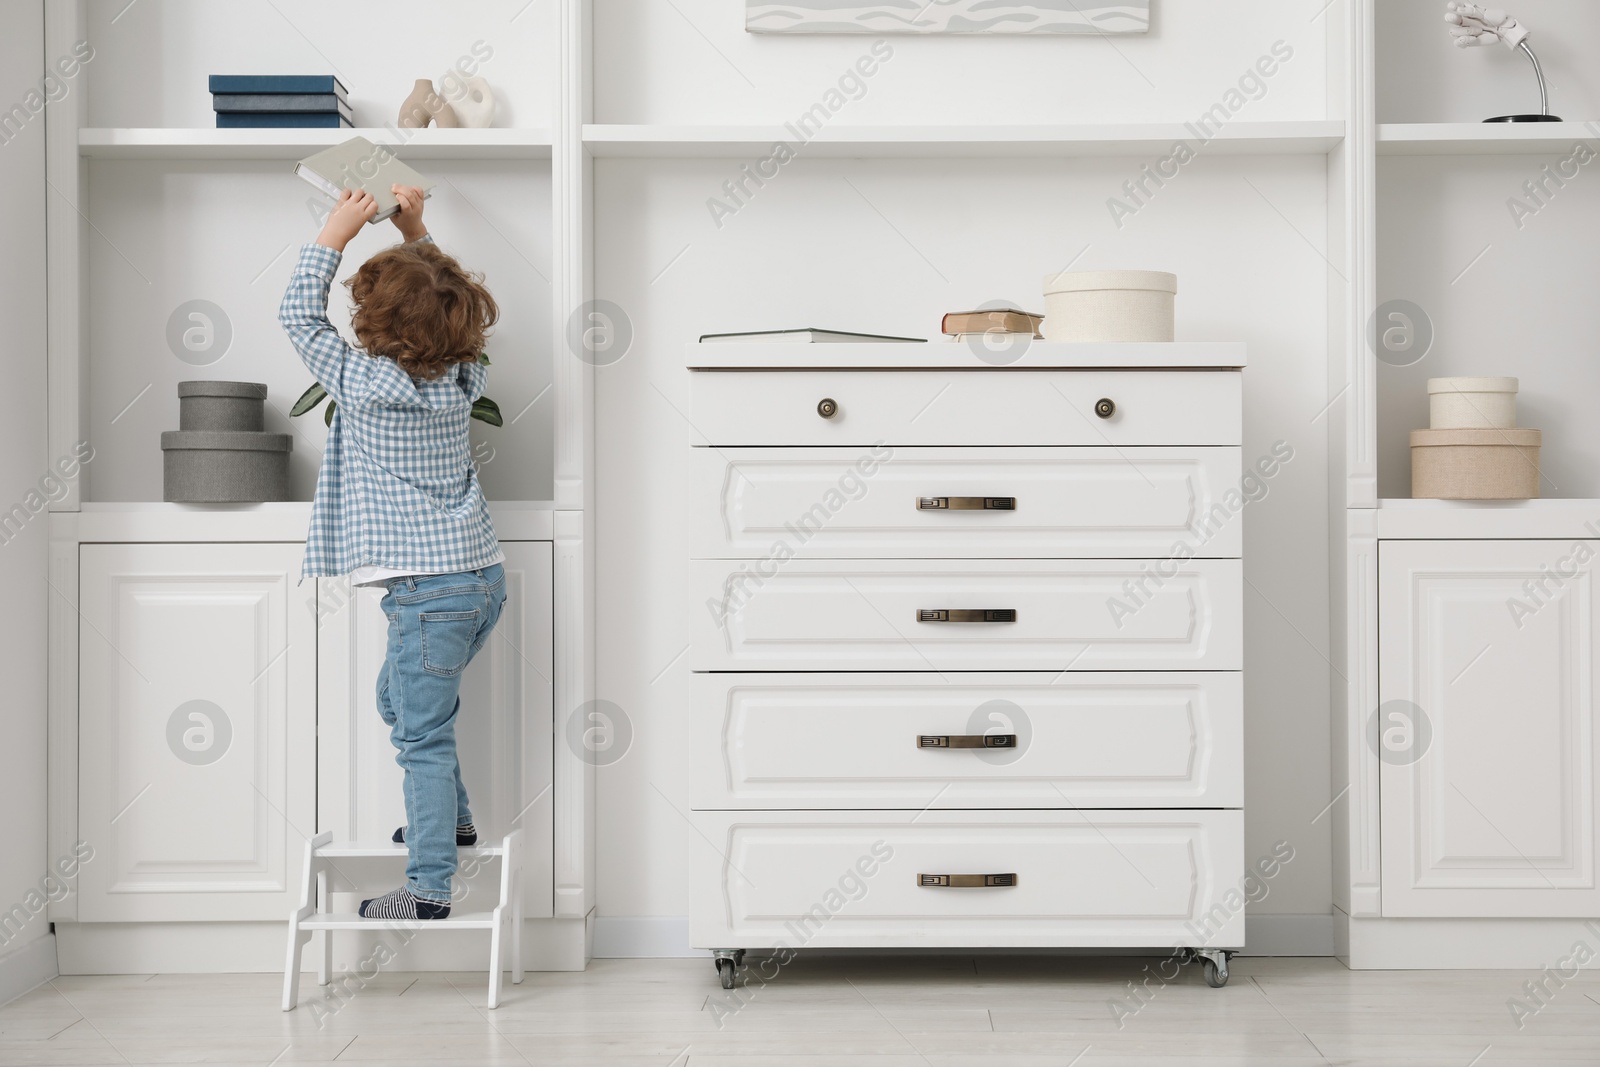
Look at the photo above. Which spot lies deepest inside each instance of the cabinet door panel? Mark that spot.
(503, 730)
(1486, 728)
(197, 730)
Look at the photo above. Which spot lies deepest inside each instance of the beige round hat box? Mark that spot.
(1472, 403)
(1109, 305)
(1500, 463)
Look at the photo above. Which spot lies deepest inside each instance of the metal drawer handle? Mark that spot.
(966, 615)
(1105, 407)
(827, 407)
(966, 740)
(966, 503)
(966, 881)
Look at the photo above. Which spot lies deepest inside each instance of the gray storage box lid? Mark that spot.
(224, 440)
(249, 390)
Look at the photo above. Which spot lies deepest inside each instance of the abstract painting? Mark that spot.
(947, 16)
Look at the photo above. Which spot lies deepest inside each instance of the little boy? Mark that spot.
(398, 503)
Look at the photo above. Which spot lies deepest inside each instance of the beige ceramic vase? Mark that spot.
(425, 105)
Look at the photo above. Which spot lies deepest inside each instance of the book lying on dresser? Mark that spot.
(807, 336)
(959, 324)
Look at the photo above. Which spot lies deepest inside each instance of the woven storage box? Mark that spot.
(1492, 464)
(1109, 305)
(228, 406)
(1472, 403)
(216, 467)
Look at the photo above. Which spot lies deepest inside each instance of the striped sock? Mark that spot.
(466, 836)
(400, 904)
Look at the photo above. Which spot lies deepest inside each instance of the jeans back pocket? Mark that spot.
(447, 639)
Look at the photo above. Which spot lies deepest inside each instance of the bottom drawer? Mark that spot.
(857, 879)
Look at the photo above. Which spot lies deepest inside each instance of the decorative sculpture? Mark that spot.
(1474, 25)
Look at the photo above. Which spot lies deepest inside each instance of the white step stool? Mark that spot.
(324, 858)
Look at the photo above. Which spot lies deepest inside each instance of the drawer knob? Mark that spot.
(827, 407)
(966, 614)
(1105, 407)
(966, 503)
(966, 740)
(966, 881)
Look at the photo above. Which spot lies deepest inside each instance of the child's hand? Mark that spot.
(353, 211)
(409, 218)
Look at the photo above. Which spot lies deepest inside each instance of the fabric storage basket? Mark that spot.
(231, 406)
(218, 467)
(1475, 464)
(1109, 305)
(1472, 403)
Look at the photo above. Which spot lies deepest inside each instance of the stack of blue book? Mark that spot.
(279, 101)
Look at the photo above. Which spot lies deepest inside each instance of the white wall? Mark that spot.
(887, 246)
(23, 461)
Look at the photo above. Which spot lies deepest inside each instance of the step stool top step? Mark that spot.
(382, 849)
(336, 920)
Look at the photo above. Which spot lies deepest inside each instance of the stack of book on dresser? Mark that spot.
(280, 101)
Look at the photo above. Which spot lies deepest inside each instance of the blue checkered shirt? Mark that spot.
(397, 486)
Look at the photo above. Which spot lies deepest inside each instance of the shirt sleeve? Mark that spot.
(304, 317)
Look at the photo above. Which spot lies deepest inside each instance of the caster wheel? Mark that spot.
(725, 972)
(1215, 977)
(738, 957)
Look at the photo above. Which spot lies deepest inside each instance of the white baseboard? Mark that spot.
(1463, 944)
(27, 967)
(654, 937)
(1288, 935)
(666, 937)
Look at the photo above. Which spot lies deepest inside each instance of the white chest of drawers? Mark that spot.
(967, 648)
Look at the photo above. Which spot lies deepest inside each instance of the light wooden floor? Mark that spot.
(840, 1012)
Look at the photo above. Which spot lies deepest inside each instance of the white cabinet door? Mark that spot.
(782, 614)
(1125, 879)
(1119, 739)
(197, 727)
(503, 730)
(1486, 728)
(1044, 503)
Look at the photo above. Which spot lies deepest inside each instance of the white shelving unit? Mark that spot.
(139, 178)
(1461, 852)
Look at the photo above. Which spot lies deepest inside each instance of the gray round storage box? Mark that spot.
(230, 406)
(219, 467)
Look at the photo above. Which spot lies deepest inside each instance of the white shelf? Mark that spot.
(944, 354)
(837, 141)
(162, 523)
(334, 920)
(204, 143)
(1561, 518)
(1481, 138)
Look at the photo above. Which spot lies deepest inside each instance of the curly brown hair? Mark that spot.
(417, 306)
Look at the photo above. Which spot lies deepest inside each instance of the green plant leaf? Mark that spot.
(486, 410)
(308, 400)
(327, 412)
(483, 357)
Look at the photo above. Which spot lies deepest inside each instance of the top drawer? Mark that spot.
(965, 407)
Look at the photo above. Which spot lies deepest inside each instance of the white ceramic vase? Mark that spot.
(474, 107)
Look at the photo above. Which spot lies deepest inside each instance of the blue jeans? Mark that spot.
(436, 625)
